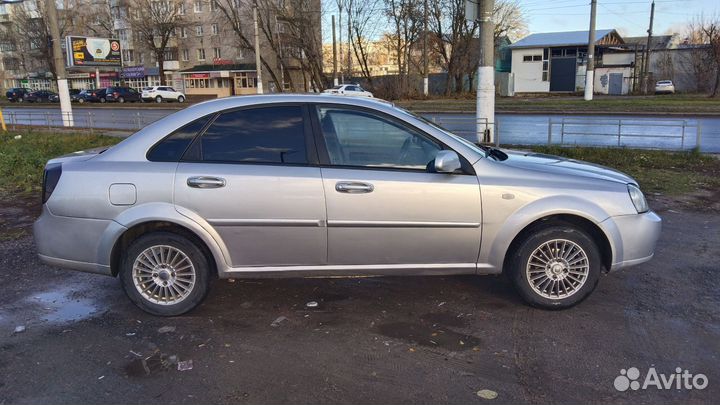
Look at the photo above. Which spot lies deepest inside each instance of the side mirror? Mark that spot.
(447, 161)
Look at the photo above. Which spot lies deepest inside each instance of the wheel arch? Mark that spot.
(161, 217)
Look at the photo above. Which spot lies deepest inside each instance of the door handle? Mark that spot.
(353, 187)
(206, 182)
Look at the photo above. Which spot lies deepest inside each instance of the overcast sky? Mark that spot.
(629, 17)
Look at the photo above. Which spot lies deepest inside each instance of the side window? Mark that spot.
(359, 138)
(257, 135)
(171, 148)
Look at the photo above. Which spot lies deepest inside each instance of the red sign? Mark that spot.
(200, 75)
(219, 61)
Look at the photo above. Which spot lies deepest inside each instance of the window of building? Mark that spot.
(546, 65)
(215, 29)
(537, 58)
(199, 30)
(216, 53)
(258, 135)
(198, 6)
(359, 138)
(201, 54)
(213, 5)
(128, 55)
(245, 81)
(122, 34)
(183, 32)
(173, 146)
(185, 55)
(181, 8)
(532, 58)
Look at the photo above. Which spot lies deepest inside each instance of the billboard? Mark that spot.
(89, 51)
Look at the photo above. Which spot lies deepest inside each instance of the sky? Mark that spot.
(629, 17)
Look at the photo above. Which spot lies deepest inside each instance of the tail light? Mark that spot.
(51, 177)
(115, 94)
(93, 94)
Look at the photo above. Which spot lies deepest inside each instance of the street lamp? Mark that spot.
(63, 91)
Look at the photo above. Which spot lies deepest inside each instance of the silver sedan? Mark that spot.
(312, 185)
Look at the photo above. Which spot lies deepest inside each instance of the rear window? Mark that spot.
(258, 135)
(172, 147)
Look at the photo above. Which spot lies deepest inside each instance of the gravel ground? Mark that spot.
(370, 340)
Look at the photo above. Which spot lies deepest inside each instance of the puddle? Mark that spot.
(429, 336)
(59, 306)
(444, 319)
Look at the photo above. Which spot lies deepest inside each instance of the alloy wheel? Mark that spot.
(557, 269)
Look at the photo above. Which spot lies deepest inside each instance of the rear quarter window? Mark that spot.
(172, 147)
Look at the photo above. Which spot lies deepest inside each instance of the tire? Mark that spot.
(81, 100)
(188, 285)
(20, 99)
(181, 99)
(158, 99)
(540, 267)
(103, 100)
(121, 100)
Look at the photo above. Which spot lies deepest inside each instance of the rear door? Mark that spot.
(385, 205)
(253, 176)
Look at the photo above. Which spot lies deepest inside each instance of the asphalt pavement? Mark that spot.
(369, 340)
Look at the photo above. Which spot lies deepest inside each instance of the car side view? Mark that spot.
(318, 185)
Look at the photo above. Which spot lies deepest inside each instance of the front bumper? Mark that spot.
(635, 238)
(74, 243)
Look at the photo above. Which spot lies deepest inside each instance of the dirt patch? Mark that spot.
(17, 214)
(702, 200)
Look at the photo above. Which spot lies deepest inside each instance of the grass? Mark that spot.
(22, 160)
(669, 173)
(677, 103)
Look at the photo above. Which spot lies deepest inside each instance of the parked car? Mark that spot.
(349, 90)
(162, 93)
(122, 94)
(664, 87)
(308, 185)
(91, 96)
(17, 94)
(55, 98)
(40, 96)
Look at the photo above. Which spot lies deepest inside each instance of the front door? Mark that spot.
(616, 84)
(385, 205)
(562, 74)
(249, 175)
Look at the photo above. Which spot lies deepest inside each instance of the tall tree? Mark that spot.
(364, 23)
(406, 24)
(154, 22)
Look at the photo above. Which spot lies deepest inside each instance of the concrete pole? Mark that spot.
(63, 90)
(97, 78)
(486, 74)
(258, 62)
(590, 68)
(349, 39)
(335, 66)
(646, 68)
(426, 83)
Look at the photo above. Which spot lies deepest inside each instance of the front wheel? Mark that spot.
(158, 99)
(121, 100)
(181, 99)
(556, 267)
(165, 274)
(103, 100)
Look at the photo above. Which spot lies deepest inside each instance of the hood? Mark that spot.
(564, 167)
(79, 155)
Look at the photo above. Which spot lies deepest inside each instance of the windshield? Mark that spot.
(460, 139)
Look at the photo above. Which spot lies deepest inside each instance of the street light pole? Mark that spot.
(485, 108)
(63, 91)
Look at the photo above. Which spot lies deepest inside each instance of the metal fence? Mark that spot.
(103, 119)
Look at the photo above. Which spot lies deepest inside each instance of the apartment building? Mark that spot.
(204, 56)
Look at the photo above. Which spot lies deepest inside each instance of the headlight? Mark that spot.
(638, 199)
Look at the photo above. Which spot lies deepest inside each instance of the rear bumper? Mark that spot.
(75, 243)
(637, 236)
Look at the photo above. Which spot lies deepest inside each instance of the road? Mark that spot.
(636, 131)
(370, 340)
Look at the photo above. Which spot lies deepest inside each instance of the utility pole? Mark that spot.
(425, 50)
(590, 68)
(257, 52)
(349, 55)
(335, 76)
(340, 14)
(646, 68)
(485, 108)
(63, 92)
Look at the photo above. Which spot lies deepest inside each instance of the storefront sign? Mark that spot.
(78, 75)
(133, 72)
(88, 51)
(106, 75)
(220, 61)
(199, 75)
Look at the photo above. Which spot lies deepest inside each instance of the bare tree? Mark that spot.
(301, 40)
(154, 22)
(238, 14)
(406, 21)
(509, 20)
(703, 39)
(364, 23)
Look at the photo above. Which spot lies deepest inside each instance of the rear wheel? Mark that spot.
(181, 99)
(158, 99)
(20, 99)
(121, 100)
(165, 274)
(81, 100)
(556, 267)
(103, 100)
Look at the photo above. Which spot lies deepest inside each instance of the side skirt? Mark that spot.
(372, 270)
